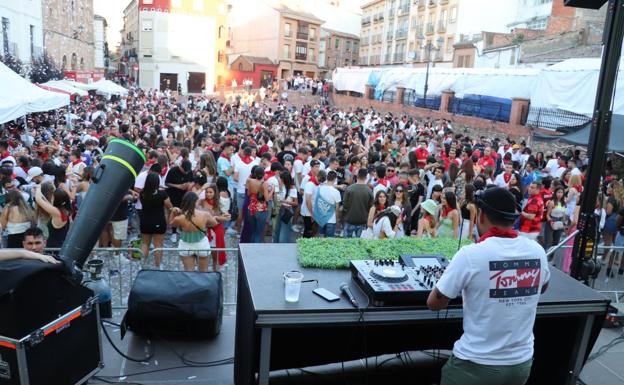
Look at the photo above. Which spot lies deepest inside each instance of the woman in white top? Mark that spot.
(386, 224)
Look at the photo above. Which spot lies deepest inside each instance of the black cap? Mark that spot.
(498, 202)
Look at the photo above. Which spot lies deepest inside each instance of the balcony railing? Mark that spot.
(442, 26)
(391, 13)
(403, 9)
(389, 36)
(374, 60)
(419, 29)
(378, 17)
(302, 35)
(432, 3)
(301, 56)
(366, 20)
(420, 4)
(364, 41)
(401, 34)
(399, 57)
(376, 39)
(430, 28)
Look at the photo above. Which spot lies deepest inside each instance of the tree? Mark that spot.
(14, 63)
(43, 69)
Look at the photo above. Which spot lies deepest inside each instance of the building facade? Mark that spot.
(176, 44)
(68, 33)
(337, 49)
(290, 38)
(129, 44)
(260, 70)
(99, 41)
(414, 32)
(21, 28)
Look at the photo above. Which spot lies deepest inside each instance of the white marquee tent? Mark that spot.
(19, 97)
(66, 86)
(108, 88)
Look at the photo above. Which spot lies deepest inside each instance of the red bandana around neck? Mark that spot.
(164, 171)
(313, 179)
(269, 174)
(76, 162)
(383, 181)
(225, 156)
(500, 233)
(506, 177)
(246, 159)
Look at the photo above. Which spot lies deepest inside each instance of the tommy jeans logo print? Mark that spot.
(509, 279)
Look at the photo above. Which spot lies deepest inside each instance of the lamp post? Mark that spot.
(429, 47)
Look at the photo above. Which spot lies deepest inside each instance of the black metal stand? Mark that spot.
(584, 244)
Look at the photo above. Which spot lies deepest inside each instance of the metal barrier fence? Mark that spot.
(554, 118)
(482, 108)
(388, 96)
(432, 103)
(120, 271)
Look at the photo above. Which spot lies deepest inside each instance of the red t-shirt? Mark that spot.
(535, 205)
(487, 161)
(421, 155)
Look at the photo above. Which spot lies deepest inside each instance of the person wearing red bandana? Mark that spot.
(309, 184)
(487, 159)
(531, 216)
(77, 165)
(502, 179)
(422, 153)
(500, 279)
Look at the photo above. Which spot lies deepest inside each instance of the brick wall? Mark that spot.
(481, 125)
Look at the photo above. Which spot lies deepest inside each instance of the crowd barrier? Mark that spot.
(121, 265)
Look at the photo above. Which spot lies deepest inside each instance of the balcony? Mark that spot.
(421, 4)
(301, 57)
(443, 2)
(376, 39)
(302, 35)
(391, 13)
(432, 3)
(399, 57)
(374, 60)
(389, 36)
(419, 29)
(442, 26)
(404, 9)
(378, 17)
(364, 41)
(430, 28)
(401, 34)
(366, 20)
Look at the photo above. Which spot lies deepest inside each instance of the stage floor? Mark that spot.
(385, 370)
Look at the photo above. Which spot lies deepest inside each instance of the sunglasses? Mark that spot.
(399, 191)
(391, 170)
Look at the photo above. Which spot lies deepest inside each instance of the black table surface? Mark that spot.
(265, 265)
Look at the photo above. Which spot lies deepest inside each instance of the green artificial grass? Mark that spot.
(335, 253)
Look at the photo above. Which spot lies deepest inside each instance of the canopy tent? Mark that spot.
(580, 136)
(500, 83)
(108, 88)
(82, 86)
(19, 97)
(66, 86)
(52, 89)
(571, 86)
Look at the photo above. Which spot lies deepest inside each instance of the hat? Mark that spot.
(429, 206)
(396, 210)
(498, 202)
(34, 171)
(9, 159)
(314, 143)
(515, 146)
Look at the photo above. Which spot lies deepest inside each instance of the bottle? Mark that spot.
(100, 287)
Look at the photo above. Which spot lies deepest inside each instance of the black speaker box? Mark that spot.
(48, 326)
(591, 4)
(175, 303)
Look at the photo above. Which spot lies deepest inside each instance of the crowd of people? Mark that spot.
(263, 170)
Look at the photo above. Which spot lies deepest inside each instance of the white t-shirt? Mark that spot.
(380, 187)
(307, 167)
(309, 189)
(432, 182)
(500, 180)
(383, 225)
(552, 165)
(331, 195)
(139, 183)
(244, 171)
(500, 280)
(292, 193)
(298, 168)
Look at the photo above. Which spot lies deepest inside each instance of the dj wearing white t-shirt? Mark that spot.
(500, 279)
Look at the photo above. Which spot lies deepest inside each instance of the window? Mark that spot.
(311, 54)
(449, 44)
(453, 15)
(287, 30)
(32, 41)
(301, 52)
(64, 63)
(286, 52)
(221, 56)
(512, 59)
(336, 43)
(443, 15)
(355, 46)
(198, 5)
(460, 62)
(81, 63)
(240, 66)
(302, 30)
(74, 62)
(312, 33)
(221, 31)
(148, 2)
(348, 45)
(148, 25)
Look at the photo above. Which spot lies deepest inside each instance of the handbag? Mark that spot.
(557, 225)
(287, 215)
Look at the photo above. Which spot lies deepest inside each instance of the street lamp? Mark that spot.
(429, 47)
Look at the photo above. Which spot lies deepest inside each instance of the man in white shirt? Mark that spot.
(502, 179)
(328, 196)
(242, 171)
(309, 184)
(435, 178)
(500, 279)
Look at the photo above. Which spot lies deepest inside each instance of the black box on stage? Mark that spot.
(49, 326)
(175, 303)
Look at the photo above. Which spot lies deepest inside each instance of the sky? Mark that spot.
(112, 11)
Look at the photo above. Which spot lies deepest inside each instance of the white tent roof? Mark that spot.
(19, 97)
(66, 86)
(571, 85)
(108, 88)
(82, 86)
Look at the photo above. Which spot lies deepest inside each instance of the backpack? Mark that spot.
(323, 209)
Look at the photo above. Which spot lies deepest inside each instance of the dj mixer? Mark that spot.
(407, 281)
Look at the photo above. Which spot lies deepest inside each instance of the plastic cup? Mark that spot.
(292, 285)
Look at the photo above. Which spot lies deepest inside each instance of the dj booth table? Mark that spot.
(272, 334)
